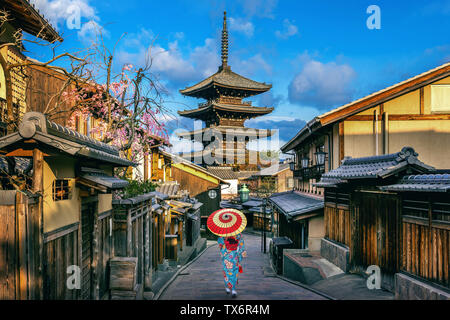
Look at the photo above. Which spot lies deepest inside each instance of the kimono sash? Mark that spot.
(231, 245)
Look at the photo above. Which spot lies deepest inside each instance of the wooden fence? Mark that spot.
(426, 238)
(133, 228)
(338, 224)
(61, 250)
(20, 246)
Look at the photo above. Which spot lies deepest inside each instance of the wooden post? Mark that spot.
(161, 236)
(147, 254)
(129, 234)
(145, 167)
(95, 258)
(341, 141)
(38, 188)
(21, 235)
(180, 234)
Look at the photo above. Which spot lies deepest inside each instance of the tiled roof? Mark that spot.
(231, 130)
(293, 204)
(21, 166)
(101, 178)
(141, 198)
(256, 111)
(421, 183)
(227, 78)
(274, 169)
(376, 166)
(178, 159)
(224, 173)
(35, 125)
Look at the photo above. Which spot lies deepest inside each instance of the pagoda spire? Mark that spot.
(224, 42)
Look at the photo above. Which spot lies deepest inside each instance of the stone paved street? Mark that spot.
(203, 280)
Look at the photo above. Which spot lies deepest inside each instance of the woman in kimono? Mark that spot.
(232, 250)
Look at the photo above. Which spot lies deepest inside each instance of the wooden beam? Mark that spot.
(422, 106)
(23, 153)
(341, 141)
(38, 188)
(401, 117)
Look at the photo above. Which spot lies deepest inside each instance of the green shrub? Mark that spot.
(136, 188)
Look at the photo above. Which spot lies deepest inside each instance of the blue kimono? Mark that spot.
(231, 254)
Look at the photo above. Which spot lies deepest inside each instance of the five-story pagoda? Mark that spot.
(225, 137)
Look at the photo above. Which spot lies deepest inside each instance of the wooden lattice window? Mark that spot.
(61, 189)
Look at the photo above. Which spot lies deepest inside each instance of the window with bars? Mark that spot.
(341, 197)
(61, 189)
(290, 182)
(418, 205)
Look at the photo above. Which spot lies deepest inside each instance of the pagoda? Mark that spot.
(224, 137)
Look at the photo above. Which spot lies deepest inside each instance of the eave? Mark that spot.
(251, 111)
(26, 17)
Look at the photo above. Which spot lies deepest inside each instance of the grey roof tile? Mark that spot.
(293, 204)
(421, 183)
(375, 167)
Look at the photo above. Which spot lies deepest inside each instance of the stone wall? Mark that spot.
(408, 288)
(335, 253)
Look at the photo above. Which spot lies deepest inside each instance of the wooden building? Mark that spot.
(298, 217)
(276, 178)
(199, 182)
(367, 224)
(225, 137)
(424, 226)
(60, 215)
(14, 87)
(414, 112)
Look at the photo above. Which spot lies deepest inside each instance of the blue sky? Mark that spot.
(316, 54)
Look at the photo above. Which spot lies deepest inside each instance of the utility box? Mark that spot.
(277, 245)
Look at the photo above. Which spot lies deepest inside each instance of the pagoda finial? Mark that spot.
(224, 42)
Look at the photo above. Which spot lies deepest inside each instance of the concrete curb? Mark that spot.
(306, 287)
(164, 287)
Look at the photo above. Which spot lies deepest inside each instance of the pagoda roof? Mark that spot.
(210, 107)
(226, 78)
(237, 131)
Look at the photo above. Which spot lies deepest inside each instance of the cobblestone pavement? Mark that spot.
(203, 280)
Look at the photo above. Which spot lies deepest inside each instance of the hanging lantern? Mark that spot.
(292, 165)
(305, 162)
(320, 157)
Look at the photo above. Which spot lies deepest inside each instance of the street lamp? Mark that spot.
(320, 157)
(305, 162)
(244, 193)
(292, 165)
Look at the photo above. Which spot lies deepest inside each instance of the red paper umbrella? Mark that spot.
(227, 222)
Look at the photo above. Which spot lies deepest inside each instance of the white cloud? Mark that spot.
(90, 32)
(169, 62)
(58, 11)
(77, 15)
(251, 66)
(259, 8)
(289, 30)
(242, 26)
(322, 85)
(178, 67)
